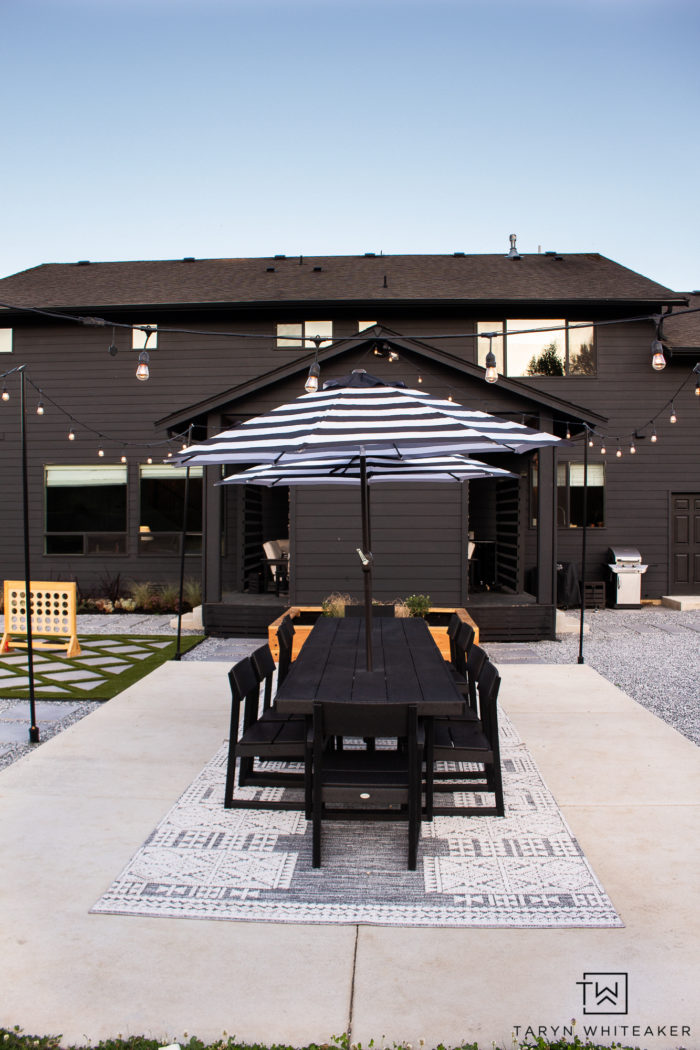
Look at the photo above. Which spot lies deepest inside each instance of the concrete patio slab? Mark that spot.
(73, 812)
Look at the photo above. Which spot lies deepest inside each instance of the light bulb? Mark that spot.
(653, 438)
(100, 452)
(619, 453)
(673, 418)
(5, 394)
(633, 448)
(40, 408)
(149, 459)
(123, 459)
(311, 384)
(603, 449)
(491, 373)
(568, 432)
(590, 442)
(697, 388)
(142, 371)
(71, 435)
(658, 361)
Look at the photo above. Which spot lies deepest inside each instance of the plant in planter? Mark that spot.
(418, 604)
(334, 604)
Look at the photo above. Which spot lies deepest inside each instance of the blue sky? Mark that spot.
(165, 128)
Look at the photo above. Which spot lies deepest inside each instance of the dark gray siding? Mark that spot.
(416, 541)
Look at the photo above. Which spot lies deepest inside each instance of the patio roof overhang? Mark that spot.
(558, 407)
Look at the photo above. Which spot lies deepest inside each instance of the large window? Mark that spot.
(85, 510)
(570, 495)
(567, 350)
(161, 509)
(290, 336)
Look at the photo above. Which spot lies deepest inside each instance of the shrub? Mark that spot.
(418, 604)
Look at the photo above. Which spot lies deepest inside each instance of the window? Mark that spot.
(304, 332)
(161, 506)
(138, 338)
(361, 325)
(5, 340)
(85, 510)
(570, 495)
(568, 350)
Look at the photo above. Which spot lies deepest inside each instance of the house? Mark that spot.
(229, 338)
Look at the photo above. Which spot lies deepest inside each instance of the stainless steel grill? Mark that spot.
(627, 570)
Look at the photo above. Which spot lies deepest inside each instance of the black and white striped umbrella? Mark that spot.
(379, 469)
(361, 412)
(360, 415)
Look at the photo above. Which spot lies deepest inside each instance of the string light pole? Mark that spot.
(20, 370)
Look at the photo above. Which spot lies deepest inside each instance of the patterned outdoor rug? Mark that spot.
(107, 664)
(524, 870)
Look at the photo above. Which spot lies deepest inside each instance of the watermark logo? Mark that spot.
(604, 993)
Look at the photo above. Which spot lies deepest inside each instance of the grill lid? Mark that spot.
(625, 555)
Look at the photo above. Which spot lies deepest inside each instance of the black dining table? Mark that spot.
(408, 668)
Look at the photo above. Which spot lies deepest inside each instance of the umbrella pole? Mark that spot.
(366, 557)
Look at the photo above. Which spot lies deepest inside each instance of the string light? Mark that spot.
(100, 452)
(71, 434)
(619, 452)
(603, 449)
(5, 393)
(673, 418)
(122, 459)
(653, 437)
(40, 408)
(568, 432)
(142, 371)
(633, 448)
(658, 358)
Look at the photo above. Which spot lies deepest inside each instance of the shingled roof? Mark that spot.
(366, 279)
(683, 332)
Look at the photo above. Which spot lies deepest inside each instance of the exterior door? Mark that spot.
(685, 543)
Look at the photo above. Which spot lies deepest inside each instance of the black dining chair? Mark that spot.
(467, 740)
(367, 785)
(265, 738)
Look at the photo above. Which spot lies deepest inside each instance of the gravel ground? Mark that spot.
(653, 654)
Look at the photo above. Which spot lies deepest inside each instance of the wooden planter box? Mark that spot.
(305, 616)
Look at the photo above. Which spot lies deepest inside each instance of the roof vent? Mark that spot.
(513, 253)
(279, 256)
(83, 262)
(550, 253)
(370, 255)
(459, 255)
(188, 258)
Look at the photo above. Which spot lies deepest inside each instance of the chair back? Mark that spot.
(264, 666)
(359, 719)
(272, 549)
(488, 686)
(464, 639)
(476, 661)
(453, 626)
(245, 688)
(285, 638)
